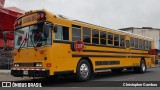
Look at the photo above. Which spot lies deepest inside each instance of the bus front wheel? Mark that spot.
(83, 72)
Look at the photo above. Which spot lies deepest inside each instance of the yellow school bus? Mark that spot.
(47, 44)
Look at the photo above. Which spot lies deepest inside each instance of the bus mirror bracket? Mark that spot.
(72, 46)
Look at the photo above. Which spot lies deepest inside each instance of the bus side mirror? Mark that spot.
(46, 30)
(55, 29)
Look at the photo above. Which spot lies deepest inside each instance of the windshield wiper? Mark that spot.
(33, 43)
(23, 42)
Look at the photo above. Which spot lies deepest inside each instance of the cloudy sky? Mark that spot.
(113, 14)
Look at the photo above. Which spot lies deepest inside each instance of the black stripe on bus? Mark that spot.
(138, 49)
(105, 51)
(88, 44)
(113, 52)
(140, 56)
(97, 69)
(140, 53)
(109, 56)
(97, 63)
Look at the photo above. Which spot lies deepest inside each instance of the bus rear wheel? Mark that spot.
(142, 68)
(83, 71)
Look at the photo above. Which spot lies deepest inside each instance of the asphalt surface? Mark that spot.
(105, 79)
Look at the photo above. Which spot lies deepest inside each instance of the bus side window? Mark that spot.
(62, 33)
(121, 40)
(132, 42)
(136, 43)
(140, 44)
(116, 40)
(103, 38)
(146, 45)
(86, 35)
(95, 36)
(149, 44)
(76, 32)
(143, 44)
(110, 38)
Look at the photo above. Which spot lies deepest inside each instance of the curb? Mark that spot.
(5, 71)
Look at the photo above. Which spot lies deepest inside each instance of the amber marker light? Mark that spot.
(48, 64)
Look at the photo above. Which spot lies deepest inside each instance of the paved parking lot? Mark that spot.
(152, 74)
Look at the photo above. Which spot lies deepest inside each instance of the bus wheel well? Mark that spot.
(86, 58)
(143, 59)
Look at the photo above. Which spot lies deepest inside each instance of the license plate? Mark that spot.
(25, 72)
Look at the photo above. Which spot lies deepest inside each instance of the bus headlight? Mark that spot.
(16, 65)
(38, 64)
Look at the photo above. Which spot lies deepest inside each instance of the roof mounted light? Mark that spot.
(38, 16)
(41, 16)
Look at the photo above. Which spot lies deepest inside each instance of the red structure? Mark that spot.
(8, 16)
(2, 3)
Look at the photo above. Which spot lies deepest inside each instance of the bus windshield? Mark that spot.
(33, 36)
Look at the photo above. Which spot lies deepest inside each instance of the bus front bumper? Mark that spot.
(29, 72)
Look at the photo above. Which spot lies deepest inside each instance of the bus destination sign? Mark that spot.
(29, 19)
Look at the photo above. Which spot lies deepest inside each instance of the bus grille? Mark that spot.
(26, 64)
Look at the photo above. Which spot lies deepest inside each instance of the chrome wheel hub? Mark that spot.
(84, 70)
(143, 67)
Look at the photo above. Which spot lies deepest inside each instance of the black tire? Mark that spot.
(116, 70)
(83, 71)
(142, 68)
